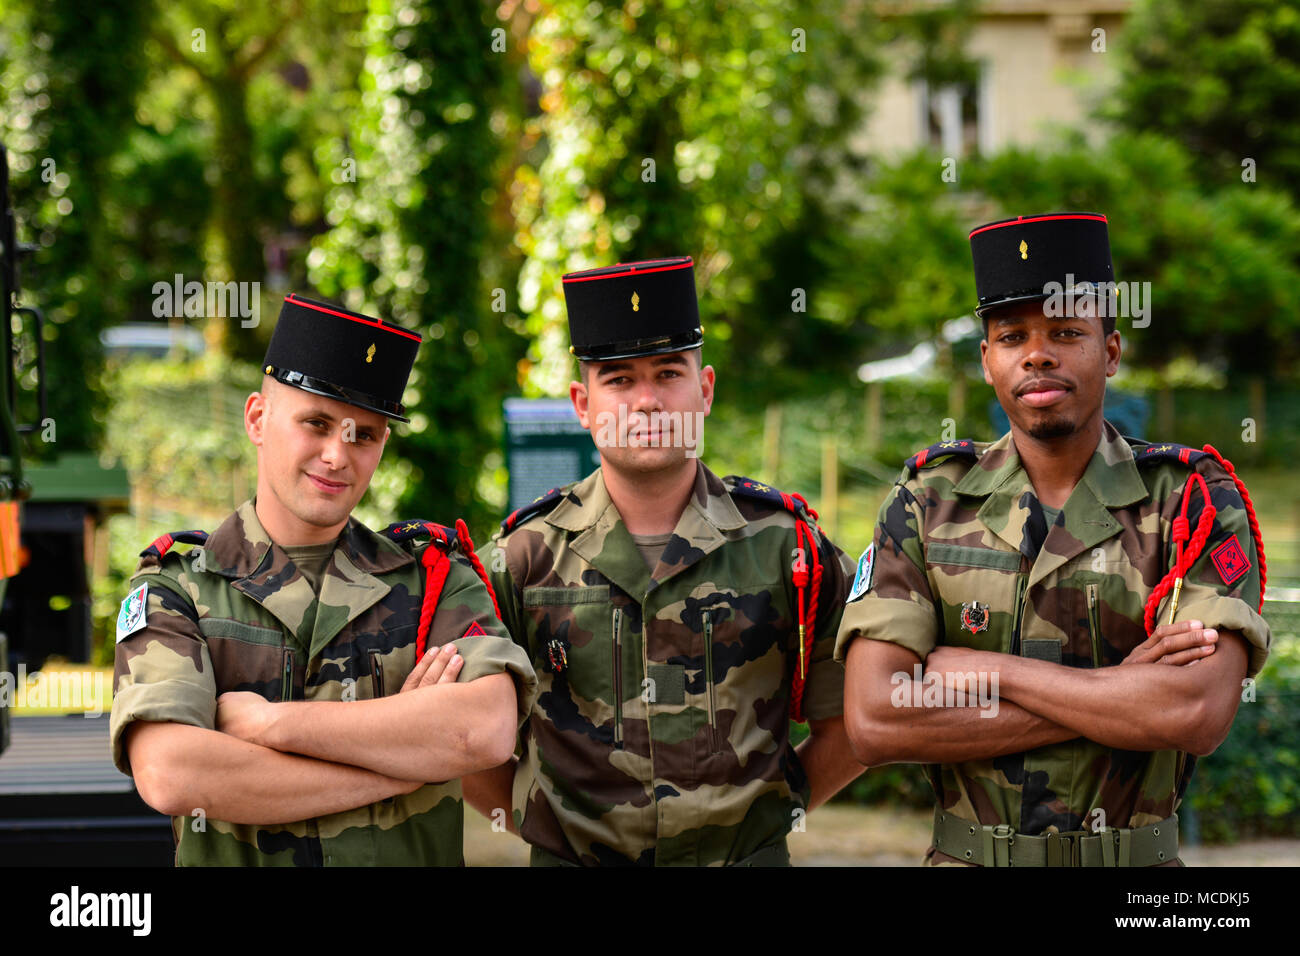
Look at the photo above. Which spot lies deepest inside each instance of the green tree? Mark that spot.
(724, 137)
(1223, 78)
(411, 239)
(68, 107)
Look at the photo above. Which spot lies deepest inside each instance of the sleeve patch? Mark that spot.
(131, 616)
(862, 580)
(474, 630)
(1230, 561)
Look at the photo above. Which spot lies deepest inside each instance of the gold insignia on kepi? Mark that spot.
(370, 352)
(1024, 249)
(636, 302)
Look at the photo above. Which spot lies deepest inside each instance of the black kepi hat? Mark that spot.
(1016, 259)
(327, 350)
(633, 309)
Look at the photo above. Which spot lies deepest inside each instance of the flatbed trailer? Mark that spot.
(63, 803)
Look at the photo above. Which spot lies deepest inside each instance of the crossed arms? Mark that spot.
(280, 762)
(1179, 690)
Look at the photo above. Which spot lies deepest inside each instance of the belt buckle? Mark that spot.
(1064, 849)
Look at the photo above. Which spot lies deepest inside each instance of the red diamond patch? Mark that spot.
(474, 630)
(1230, 561)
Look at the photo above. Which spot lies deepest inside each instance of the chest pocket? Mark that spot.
(593, 634)
(980, 592)
(245, 657)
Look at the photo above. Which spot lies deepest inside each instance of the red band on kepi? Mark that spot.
(633, 309)
(325, 349)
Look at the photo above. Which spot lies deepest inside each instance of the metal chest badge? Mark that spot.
(974, 616)
(555, 652)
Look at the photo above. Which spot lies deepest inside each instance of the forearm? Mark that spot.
(432, 733)
(827, 758)
(181, 769)
(491, 790)
(941, 734)
(892, 717)
(1134, 707)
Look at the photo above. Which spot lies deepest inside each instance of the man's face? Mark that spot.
(315, 456)
(1049, 373)
(645, 414)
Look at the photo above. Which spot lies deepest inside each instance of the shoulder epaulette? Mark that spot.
(1167, 451)
(758, 491)
(400, 531)
(162, 544)
(539, 505)
(964, 448)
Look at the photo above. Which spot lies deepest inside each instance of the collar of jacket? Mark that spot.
(239, 546)
(1110, 480)
(240, 549)
(1111, 475)
(604, 542)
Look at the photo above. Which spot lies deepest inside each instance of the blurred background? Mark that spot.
(443, 162)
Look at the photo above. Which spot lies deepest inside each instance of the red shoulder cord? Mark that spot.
(436, 565)
(807, 618)
(1184, 559)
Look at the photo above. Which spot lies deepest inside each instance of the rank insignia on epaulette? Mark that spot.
(963, 447)
(758, 491)
(163, 543)
(539, 504)
(417, 528)
(1168, 451)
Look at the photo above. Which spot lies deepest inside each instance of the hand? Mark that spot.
(1184, 642)
(244, 715)
(439, 665)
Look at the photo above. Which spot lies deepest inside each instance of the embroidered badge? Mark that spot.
(132, 614)
(1230, 561)
(974, 616)
(474, 630)
(862, 580)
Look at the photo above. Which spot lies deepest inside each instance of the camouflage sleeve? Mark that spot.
(509, 600)
(1220, 589)
(465, 615)
(162, 672)
(891, 598)
(824, 692)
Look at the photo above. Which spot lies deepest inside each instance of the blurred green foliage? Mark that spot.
(411, 240)
(1250, 786)
(1222, 77)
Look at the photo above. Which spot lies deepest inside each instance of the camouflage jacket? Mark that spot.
(230, 616)
(662, 736)
(962, 530)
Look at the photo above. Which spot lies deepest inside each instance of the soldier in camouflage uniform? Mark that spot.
(1030, 562)
(257, 678)
(659, 604)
